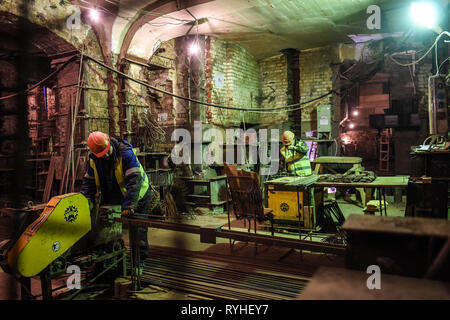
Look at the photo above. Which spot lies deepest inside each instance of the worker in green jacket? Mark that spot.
(295, 153)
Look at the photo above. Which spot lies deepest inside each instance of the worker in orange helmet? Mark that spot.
(114, 170)
(295, 154)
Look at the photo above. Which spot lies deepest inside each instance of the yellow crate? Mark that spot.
(285, 206)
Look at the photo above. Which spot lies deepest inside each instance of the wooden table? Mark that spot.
(394, 181)
(379, 183)
(322, 162)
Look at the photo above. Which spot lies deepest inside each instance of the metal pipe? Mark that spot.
(242, 236)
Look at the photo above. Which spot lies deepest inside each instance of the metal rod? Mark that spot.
(242, 236)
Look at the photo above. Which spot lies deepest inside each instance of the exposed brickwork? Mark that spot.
(274, 88)
(220, 89)
(315, 80)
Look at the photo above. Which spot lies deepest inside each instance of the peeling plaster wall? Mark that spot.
(56, 16)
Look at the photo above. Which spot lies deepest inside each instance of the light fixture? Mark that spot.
(331, 190)
(94, 14)
(355, 113)
(351, 125)
(194, 48)
(424, 13)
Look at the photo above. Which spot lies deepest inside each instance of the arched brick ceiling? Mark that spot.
(132, 15)
(263, 27)
(39, 37)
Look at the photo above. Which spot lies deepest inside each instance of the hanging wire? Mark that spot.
(425, 54)
(41, 81)
(145, 84)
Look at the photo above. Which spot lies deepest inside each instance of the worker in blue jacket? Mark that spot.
(114, 170)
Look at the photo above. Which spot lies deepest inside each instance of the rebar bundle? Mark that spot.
(152, 131)
(215, 279)
(168, 205)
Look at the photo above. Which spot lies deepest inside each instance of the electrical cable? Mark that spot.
(442, 63)
(40, 82)
(145, 84)
(425, 54)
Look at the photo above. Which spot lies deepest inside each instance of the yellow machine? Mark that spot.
(64, 221)
(65, 232)
(292, 205)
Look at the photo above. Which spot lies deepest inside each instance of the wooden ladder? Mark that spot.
(384, 150)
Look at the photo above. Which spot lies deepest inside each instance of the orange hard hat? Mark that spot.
(287, 138)
(99, 143)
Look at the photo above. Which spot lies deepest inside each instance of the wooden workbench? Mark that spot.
(394, 181)
(379, 182)
(322, 164)
(347, 160)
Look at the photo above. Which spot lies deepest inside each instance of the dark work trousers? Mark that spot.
(142, 208)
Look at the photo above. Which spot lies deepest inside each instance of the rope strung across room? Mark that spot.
(291, 107)
(285, 108)
(40, 82)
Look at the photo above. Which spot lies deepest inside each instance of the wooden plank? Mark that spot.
(351, 160)
(345, 284)
(395, 181)
(398, 225)
(49, 181)
(282, 180)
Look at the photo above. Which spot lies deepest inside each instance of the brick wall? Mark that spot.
(315, 80)
(220, 86)
(274, 87)
(235, 82)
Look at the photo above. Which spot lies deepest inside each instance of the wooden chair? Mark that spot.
(246, 198)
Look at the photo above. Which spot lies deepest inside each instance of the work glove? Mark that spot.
(127, 212)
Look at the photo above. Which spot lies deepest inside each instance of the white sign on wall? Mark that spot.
(219, 80)
(162, 116)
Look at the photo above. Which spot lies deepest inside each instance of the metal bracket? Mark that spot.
(208, 234)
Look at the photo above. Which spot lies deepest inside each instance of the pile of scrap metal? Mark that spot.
(355, 174)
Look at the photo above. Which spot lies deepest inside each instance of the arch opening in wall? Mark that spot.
(36, 123)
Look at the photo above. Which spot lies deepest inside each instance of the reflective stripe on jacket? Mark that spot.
(296, 159)
(129, 174)
(120, 176)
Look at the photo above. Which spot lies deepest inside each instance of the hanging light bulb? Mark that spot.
(424, 13)
(94, 14)
(355, 113)
(351, 125)
(194, 48)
